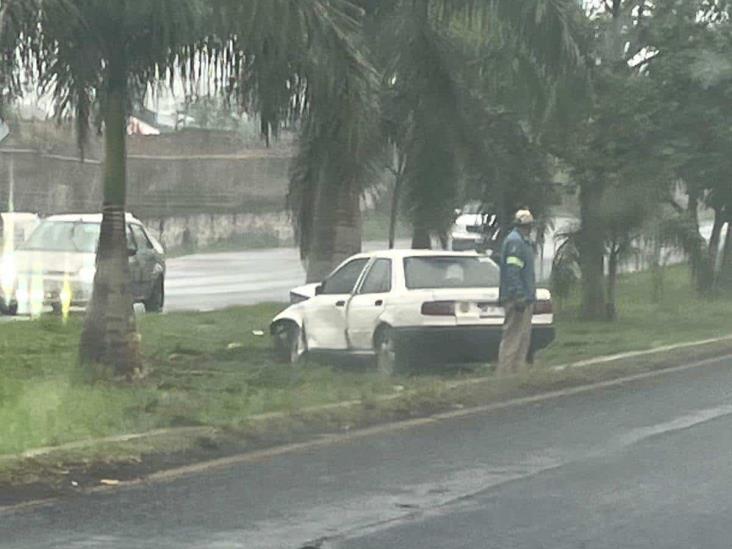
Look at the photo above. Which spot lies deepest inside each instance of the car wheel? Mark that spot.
(57, 308)
(286, 342)
(8, 309)
(390, 358)
(156, 301)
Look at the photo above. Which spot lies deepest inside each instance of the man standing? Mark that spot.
(517, 294)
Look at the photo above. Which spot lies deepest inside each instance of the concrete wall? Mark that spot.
(190, 232)
(193, 171)
(158, 186)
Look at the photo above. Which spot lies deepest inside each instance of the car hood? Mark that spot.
(51, 263)
(301, 293)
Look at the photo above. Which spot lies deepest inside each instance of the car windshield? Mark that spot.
(63, 236)
(450, 272)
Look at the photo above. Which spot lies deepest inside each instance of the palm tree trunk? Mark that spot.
(421, 239)
(591, 248)
(336, 229)
(396, 192)
(393, 216)
(109, 338)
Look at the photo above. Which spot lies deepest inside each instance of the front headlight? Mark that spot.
(86, 275)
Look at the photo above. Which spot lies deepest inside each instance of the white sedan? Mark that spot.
(404, 307)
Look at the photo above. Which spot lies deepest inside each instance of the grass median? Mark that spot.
(216, 370)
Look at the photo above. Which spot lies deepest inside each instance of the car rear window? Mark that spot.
(449, 272)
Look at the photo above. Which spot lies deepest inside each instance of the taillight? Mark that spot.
(543, 307)
(438, 308)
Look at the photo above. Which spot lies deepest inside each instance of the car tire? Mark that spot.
(8, 309)
(286, 336)
(391, 357)
(156, 301)
(57, 309)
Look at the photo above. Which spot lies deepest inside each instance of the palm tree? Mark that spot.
(282, 58)
(458, 79)
(443, 66)
(104, 54)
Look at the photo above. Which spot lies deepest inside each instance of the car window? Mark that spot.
(378, 279)
(141, 238)
(449, 272)
(344, 279)
(63, 236)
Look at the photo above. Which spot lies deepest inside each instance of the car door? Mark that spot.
(368, 303)
(147, 260)
(324, 316)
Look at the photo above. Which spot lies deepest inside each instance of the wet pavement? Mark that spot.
(646, 464)
(215, 281)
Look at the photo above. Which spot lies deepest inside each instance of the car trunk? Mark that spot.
(473, 306)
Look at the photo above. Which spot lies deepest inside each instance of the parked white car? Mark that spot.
(21, 224)
(404, 307)
(56, 263)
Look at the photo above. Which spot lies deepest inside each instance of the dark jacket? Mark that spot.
(518, 281)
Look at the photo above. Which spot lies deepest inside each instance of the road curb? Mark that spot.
(204, 431)
(172, 474)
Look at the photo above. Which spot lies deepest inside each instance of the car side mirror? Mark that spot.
(131, 252)
(319, 289)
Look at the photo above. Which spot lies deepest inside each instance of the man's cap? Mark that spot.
(523, 218)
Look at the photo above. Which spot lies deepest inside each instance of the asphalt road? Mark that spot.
(217, 281)
(220, 280)
(647, 464)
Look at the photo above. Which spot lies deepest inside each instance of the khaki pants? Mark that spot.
(516, 339)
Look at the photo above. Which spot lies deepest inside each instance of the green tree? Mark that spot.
(614, 146)
(457, 87)
(692, 70)
(104, 54)
(433, 60)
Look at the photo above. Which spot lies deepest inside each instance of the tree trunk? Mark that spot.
(591, 248)
(725, 271)
(714, 239)
(692, 207)
(656, 272)
(702, 276)
(612, 280)
(421, 239)
(109, 338)
(336, 228)
(394, 214)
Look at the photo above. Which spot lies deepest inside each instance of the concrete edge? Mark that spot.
(208, 430)
(170, 475)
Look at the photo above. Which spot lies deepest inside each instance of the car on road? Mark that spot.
(475, 228)
(56, 264)
(16, 226)
(404, 307)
